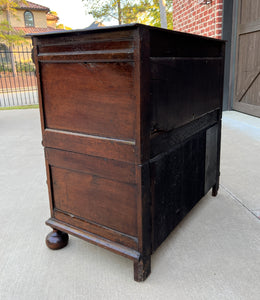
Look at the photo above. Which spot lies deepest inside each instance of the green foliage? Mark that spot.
(129, 11)
(25, 67)
(61, 26)
(8, 35)
(5, 67)
(10, 6)
(53, 13)
(20, 107)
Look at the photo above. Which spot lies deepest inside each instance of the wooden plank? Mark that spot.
(70, 37)
(95, 228)
(247, 84)
(86, 45)
(165, 141)
(247, 108)
(121, 150)
(252, 95)
(124, 55)
(116, 170)
(249, 11)
(105, 103)
(248, 28)
(103, 201)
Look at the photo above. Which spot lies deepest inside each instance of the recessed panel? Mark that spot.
(91, 98)
(95, 199)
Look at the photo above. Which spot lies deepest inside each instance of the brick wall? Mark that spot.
(203, 19)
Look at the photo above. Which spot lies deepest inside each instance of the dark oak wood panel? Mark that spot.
(163, 141)
(82, 36)
(106, 202)
(125, 55)
(100, 45)
(116, 170)
(103, 93)
(180, 97)
(121, 150)
(177, 184)
(163, 44)
(131, 122)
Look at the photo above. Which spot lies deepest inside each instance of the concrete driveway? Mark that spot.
(213, 254)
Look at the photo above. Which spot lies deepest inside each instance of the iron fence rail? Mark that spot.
(18, 84)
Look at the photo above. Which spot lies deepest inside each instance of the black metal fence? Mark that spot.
(18, 84)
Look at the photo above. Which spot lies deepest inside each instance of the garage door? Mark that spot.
(247, 74)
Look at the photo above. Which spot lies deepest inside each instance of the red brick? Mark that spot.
(192, 17)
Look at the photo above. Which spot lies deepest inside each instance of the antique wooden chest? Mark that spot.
(131, 122)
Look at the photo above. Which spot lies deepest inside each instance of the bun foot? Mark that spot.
(56, 240)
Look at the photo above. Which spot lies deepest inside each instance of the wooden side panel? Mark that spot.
(177, 184)
(90, 98)
(183, 90)
(100, 200)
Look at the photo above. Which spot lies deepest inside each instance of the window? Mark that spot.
(28, 19)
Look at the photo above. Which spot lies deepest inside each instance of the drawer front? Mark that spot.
(101, 191)
(89, 98)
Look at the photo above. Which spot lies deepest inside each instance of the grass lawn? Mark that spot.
(20, 107)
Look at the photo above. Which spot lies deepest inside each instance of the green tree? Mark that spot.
(62, 26)
(154, 13)
(59, 26)
(129, 11)
(8, 35)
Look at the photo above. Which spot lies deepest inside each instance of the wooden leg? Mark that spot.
(142, 268)
(215, 189)
(57, 239)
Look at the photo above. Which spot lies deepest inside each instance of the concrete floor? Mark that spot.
(213, 254)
